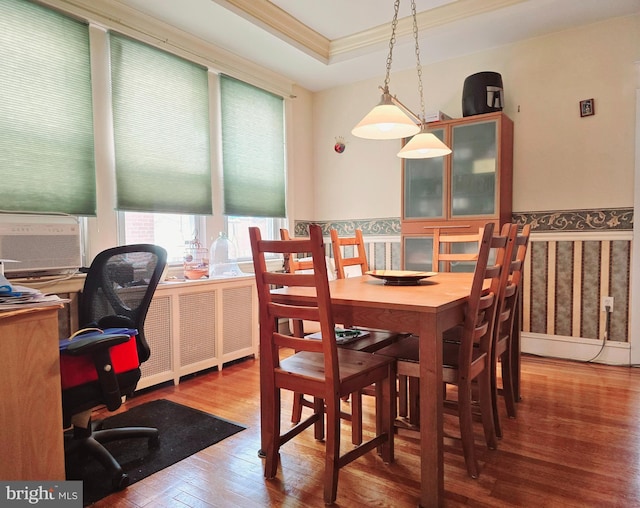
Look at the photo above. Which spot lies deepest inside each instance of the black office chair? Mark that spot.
(117, 293)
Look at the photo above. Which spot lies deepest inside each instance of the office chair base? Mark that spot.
(89, 443)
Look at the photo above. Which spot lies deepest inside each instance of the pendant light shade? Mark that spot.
(391, 119)
(386, 121)
(424, 146)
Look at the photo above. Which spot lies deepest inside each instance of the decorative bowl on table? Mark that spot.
(400, 277)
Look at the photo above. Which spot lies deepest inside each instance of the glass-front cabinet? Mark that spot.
(460, 192)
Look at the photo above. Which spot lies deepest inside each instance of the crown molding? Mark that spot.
(110, 14)
(288, 28)
(449, 13)
(281, 24)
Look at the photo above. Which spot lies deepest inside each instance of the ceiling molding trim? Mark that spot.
(281, 24)
(133, 23)
(456, 11)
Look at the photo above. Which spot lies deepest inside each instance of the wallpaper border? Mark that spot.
(597, 219)
(369, 227)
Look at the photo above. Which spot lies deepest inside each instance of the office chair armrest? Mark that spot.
(98, 348)
(88, 345)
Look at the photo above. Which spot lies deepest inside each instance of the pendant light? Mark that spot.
(388, 120)
(391, 119)
(425, 144)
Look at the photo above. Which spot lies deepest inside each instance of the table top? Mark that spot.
(430, 295)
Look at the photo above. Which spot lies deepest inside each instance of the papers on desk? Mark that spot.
(22, 297)
(343, 336)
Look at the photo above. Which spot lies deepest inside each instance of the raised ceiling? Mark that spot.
(320, 44)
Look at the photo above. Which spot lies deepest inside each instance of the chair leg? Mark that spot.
(319, 408)
(296, 411)
(414, 401)
(332, 451)
(508, 391)
(403, 404)
(466, 429)
(356, 418)
(486, 398)
(386, 414)
(272, 432)
(494, 399)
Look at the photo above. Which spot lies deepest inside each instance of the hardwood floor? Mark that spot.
(575, 442)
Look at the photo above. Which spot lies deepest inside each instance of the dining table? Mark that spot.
(426, 309)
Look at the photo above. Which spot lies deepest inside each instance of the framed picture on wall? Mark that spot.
(587, 107)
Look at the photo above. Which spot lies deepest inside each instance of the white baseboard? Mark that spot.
(575, 348)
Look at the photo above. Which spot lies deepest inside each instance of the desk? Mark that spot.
(426, 310)
(31, 437)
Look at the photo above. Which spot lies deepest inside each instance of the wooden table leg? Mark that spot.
(431, 402)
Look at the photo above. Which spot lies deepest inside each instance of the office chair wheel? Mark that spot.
(120, 482)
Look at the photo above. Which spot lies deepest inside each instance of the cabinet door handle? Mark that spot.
(447, 226)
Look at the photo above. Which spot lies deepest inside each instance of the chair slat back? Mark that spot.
(488, 279)
(292, 263)
(359, 257)
(519, 254)
(512, 287)
(271, 340)
(445, 252)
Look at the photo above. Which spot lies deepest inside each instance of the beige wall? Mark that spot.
(300, 175)
(561, 162)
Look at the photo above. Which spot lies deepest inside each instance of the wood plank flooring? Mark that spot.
(575, 443)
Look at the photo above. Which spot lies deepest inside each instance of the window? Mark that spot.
(253, 162)
(238, 232)
(161, 130)
(161, 134)
(253, 150)
(46, 116)
(160, 178)
(170, 231)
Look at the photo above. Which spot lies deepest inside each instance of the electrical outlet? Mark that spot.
(607, 301)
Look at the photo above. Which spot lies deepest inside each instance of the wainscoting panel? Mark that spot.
(575, 258)
(566, 276)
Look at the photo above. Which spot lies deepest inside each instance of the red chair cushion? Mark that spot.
(78, 370)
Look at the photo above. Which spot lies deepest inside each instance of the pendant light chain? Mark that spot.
(391, 119)
(392, 42)
(418, 66)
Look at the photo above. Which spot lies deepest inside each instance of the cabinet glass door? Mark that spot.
(418, 253)
(473, 169)
(424, 186)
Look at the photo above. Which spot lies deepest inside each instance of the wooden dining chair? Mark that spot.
(451, 252)
(505, 329)
(292, 264)
(350, 251)
(371, 341)
(455, 252)
(316, 367)
(467, 348)
(358, 258)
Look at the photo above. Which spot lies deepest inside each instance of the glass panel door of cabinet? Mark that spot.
(473, 169)
(424, 186)
(418, 253)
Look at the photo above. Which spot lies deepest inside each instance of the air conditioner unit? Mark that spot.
(41, 245)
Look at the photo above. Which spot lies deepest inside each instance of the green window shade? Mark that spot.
(252, 150)
(46, 116)
(161, 130)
